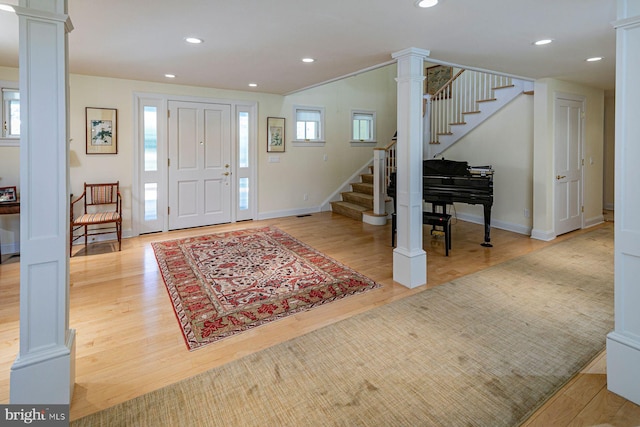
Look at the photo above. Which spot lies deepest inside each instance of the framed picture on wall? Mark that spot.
(102, 130)
(275, 134)
(8, 194)
(436, 77)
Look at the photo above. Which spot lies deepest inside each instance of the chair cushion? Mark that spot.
(97, 218)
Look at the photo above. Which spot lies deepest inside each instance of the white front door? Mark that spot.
(200, 184)
(568, 165)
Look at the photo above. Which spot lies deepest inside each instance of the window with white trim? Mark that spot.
(309, 123)
(363, 126)
(10, 110)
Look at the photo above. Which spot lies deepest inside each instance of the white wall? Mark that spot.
(301, 170)
(374, 90)
(504, 141)
(543, 203)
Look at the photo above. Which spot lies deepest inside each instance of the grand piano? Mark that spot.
(448, 181)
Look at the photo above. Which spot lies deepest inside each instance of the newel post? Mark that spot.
(379, 181)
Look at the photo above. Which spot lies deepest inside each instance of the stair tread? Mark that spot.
(471, 112)
(503, 87)
(487, 100)
(359, 194)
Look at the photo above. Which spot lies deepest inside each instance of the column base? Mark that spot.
(47, 379)
(623, 359)
(410, 269)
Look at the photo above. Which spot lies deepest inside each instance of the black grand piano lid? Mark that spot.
(445, 167)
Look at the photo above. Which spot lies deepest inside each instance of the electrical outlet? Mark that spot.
(305, 197)
(527, 214)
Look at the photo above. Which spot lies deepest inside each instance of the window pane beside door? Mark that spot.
(150, 120)
(243, 139)
(243, 202)
(150, 201)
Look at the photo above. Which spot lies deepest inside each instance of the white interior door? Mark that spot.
(199, 164)
(568, 165)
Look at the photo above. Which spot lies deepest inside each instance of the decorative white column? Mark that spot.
(44, 371)
(409, 259)
(623, 344)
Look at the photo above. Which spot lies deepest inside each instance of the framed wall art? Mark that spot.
(436, 77)
(275, 134)
(8, 194)
(102, 130)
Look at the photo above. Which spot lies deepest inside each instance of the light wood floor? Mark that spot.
(129, 342)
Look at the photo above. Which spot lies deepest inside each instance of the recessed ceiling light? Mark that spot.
(426, 3)
(542, 42)
(253, 84)
(308, 60)
(7, 8)
(170, 76)
(193, 40)
(595, 59)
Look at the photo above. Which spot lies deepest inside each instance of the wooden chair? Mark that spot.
(102, 205)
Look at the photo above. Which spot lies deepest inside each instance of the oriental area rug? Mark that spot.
(485, 349)
(223, 284)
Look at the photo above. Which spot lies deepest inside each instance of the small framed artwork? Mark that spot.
(275, 134)
(436, 77)
(102, 130)
(8, 194)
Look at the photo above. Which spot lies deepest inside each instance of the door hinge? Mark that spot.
(168, 210)
(168, 162)
(582, 209)
(582, 162)
(168, 114)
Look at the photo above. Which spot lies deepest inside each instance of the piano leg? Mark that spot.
(487, 227)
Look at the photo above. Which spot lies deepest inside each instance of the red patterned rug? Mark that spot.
(223, 284)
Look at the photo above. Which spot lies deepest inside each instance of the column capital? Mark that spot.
(45, 15)
(412, 51)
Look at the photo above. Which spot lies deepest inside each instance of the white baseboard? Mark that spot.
(476, 219)
(543, 235)
(609, 206)
(290, 212)
(590, 222)
(103, 238)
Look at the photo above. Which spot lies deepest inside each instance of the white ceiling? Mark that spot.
(263, 41)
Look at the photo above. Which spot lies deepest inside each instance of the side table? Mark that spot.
(8, 208)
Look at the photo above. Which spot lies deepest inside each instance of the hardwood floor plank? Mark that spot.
(129, 342)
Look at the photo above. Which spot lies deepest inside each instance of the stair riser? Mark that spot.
(367, 178)
(358, 199)
(362, 188)
(343, 210)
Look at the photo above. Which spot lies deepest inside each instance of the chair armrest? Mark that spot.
(73, 202)
(119, 203)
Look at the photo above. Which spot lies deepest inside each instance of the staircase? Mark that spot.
(463, 103)
(359, 200)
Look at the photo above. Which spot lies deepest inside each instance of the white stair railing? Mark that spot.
(460, 96)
